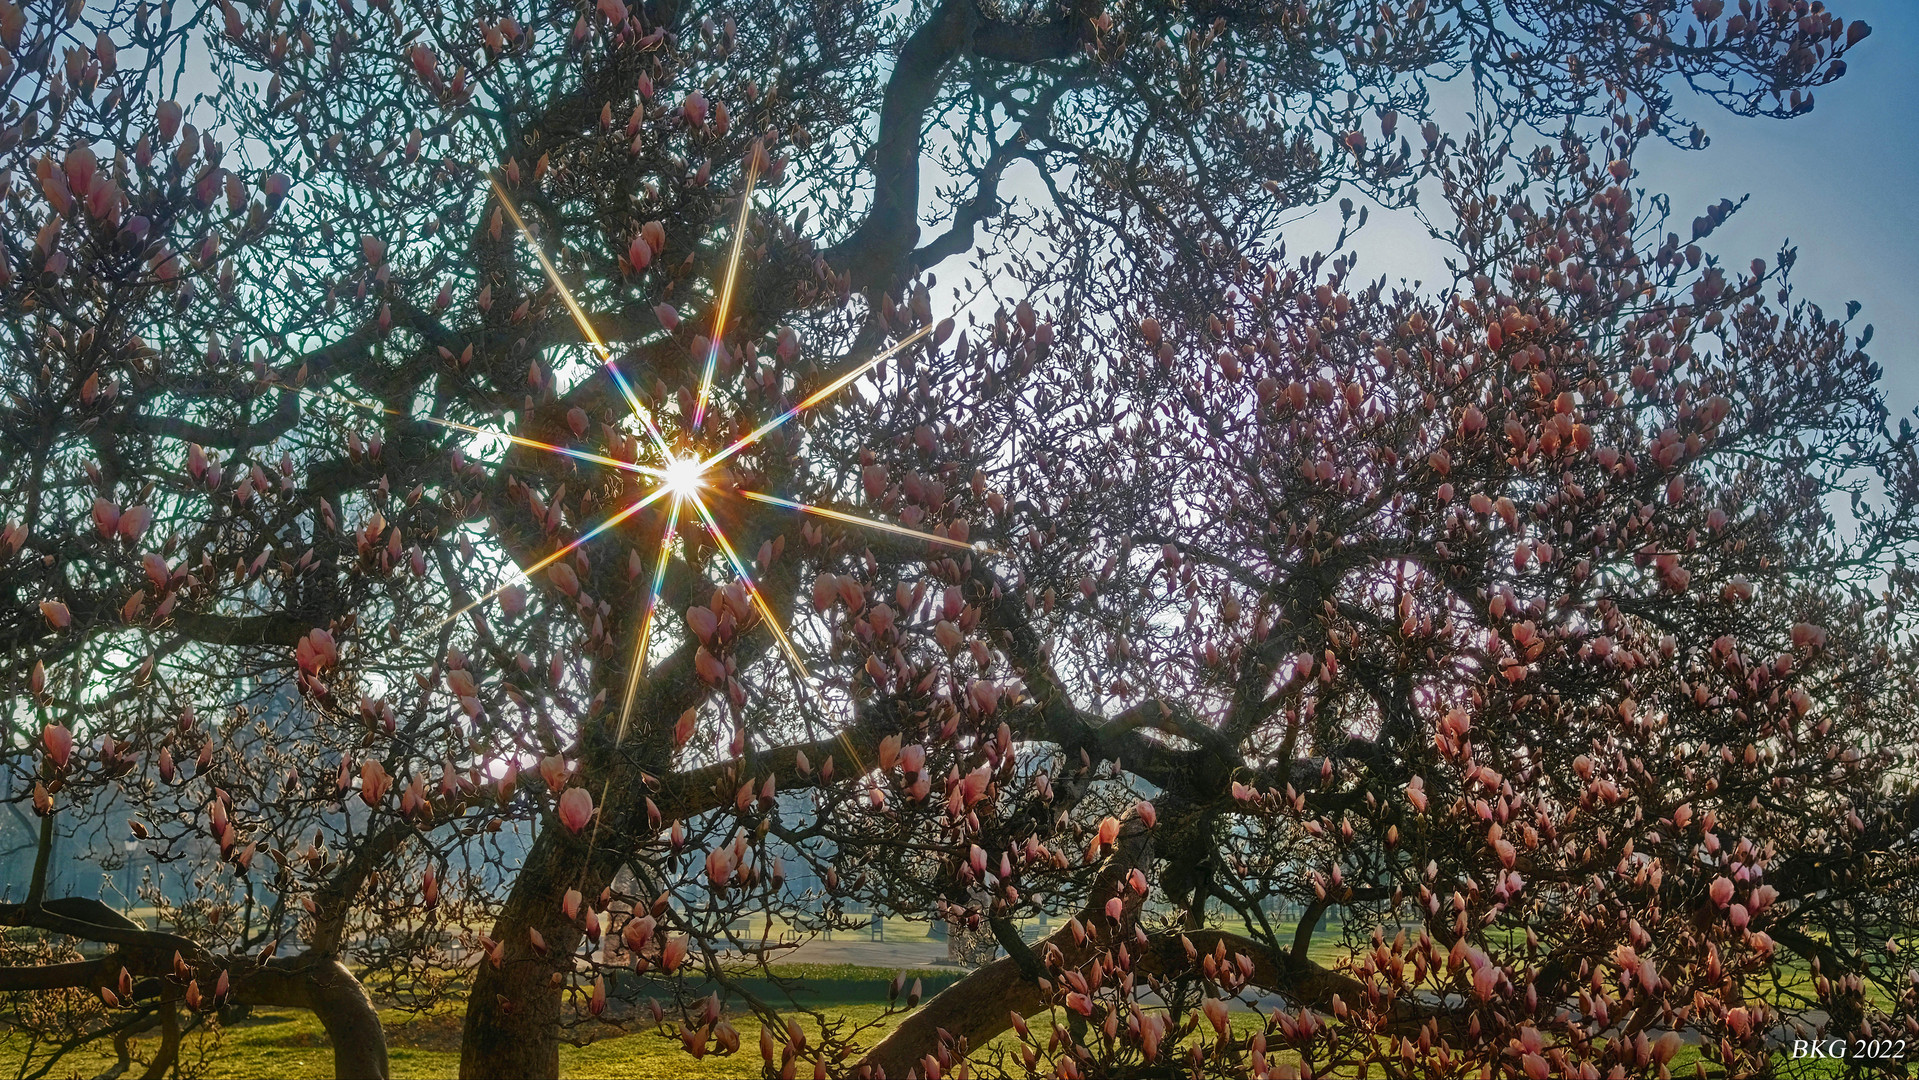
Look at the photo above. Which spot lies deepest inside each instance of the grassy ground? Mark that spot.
(290, 1044)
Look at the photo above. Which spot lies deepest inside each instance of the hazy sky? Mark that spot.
(1840, 183)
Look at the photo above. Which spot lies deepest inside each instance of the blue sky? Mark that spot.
(1841, 183)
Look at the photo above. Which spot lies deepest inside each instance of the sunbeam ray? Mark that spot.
(812, 399)
(455, 425)
(525, 573)
(633, 402)
(726, 293)
(746, 579)
(638, 666)
(854, 519)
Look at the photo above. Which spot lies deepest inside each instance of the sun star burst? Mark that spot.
(684, 476)
(684, 479)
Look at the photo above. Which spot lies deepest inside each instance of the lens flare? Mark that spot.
(726, 291)
(645, 638)
(517, 440)
(854, 519)
(682, 479)
(752, 590)
(814, 398)
(640, 411)
(684, 476)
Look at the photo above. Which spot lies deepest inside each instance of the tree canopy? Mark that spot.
(789, 460)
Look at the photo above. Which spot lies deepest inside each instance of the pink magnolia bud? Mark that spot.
(1215, 1009)
(374, 783)
(694, 108)
(673, 954)
(1668, 1045)
(59, 743)
(984, 695)
(576, 809)
(167, 120)
(637, 933)
(134, 522)
(719, 866)
(1148, 813)
(81, 166)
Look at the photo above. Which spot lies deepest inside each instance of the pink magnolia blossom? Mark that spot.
(576, 809)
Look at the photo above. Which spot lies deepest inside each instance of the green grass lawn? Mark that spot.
(290, 1044)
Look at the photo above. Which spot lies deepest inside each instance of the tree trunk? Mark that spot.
(977, 1007)
(513, 1015)
(324, 985)
(318, 982)
(980, 1006)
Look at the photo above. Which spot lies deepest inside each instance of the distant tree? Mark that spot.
(1548, 621)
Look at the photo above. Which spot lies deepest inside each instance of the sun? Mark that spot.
(684, 476)
(679, 481)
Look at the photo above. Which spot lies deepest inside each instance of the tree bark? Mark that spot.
(323, 985)
(317, 982)
(980, 1006)
(513, 1014)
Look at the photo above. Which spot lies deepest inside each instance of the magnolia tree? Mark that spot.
(447, 426)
